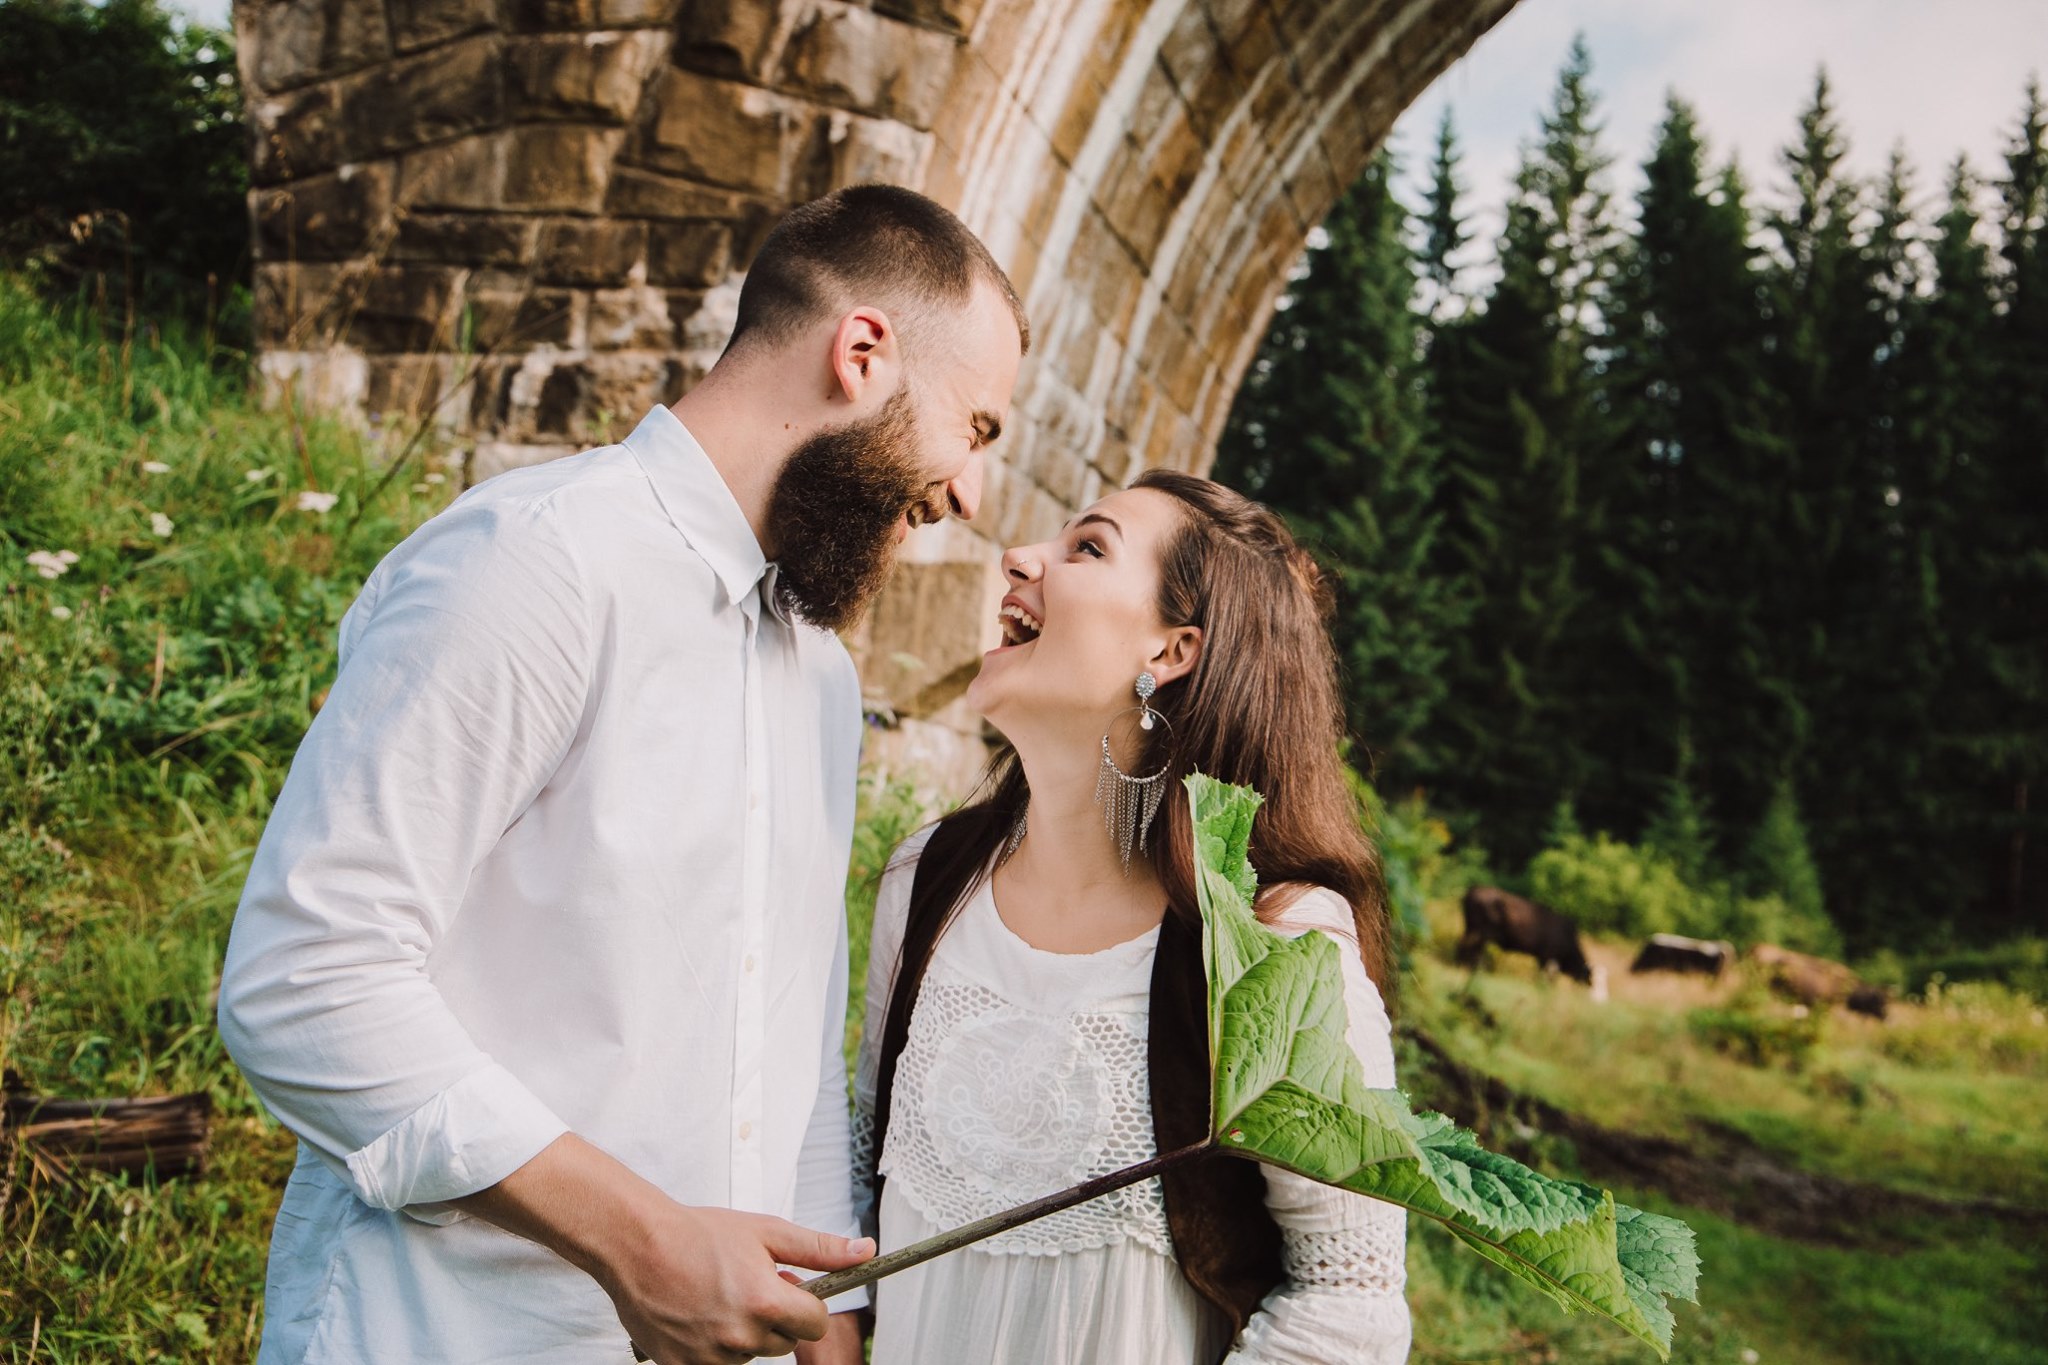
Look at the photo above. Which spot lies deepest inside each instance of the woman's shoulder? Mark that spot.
(1301, 906)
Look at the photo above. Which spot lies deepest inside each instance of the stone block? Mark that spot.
(591, 251)
(927, 634)
(421, 23)
(326, 217)
(286, 43)
(852, 58)
(295, 134)
(696, 254)
(721, 133)
(478, 239)
(499, 457)
(329, 379)
(855, 150)
(563, 167)
(631, 319)
(437, 95)
(468, 173)
(405, 308)
(503, 320)
(594, 77)
(299, 307)
(639, 193)
(542, 16)
(952, 16)
(733, 38)
(600, 397)
(412, 388)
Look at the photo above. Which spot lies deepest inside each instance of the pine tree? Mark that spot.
(2013, 745)
(1330, 431)
(1444, 234)
(1520, 411)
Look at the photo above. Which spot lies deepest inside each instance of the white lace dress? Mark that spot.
(1024, 1073)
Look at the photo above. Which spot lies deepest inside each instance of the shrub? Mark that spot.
(1972, 1025)
(1611, 887)
(1755, 1033)
(122, 151)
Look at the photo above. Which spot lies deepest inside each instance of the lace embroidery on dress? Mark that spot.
(996, 1105)
(1369, 1260)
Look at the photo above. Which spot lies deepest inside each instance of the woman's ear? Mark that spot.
(1177, 656)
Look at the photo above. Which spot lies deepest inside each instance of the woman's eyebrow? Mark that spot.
(1095, 518)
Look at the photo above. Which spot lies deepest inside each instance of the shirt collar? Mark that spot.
(694, 496)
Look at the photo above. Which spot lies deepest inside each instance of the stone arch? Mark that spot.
(528, 219)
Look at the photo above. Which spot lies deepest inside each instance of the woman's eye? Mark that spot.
(1088, 547)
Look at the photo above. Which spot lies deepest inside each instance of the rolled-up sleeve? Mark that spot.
(465, 669)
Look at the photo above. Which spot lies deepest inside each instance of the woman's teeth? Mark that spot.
(1019, 626)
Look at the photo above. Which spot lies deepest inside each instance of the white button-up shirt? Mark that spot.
(564, 851)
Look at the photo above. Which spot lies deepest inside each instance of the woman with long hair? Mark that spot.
(1035, 1005)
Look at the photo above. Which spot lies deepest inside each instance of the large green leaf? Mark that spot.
(1289, 1091)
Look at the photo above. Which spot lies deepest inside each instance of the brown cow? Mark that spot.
(1816, 981)
(1518, 925)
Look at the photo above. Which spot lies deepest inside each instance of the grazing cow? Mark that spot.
(1816, 981)
(1517, 925)
(1676, 953)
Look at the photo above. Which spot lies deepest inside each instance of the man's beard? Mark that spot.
(833, 512)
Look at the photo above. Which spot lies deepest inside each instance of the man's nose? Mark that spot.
(963, 490)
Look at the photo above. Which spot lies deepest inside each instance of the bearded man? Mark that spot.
(542, 955)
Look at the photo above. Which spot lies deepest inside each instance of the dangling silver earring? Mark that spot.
(1129, 803)
(1016, 836)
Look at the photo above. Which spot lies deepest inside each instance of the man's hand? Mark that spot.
(841, 1344)
(693, 1286)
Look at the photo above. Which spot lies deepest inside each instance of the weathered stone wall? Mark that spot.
(526, 220)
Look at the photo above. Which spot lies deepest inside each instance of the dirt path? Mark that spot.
(1719, 1170)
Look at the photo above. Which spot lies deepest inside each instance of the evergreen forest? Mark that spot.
(1712, 520)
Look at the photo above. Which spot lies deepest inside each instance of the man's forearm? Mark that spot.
(584, 1205)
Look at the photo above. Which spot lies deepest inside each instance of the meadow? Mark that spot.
(173, 562)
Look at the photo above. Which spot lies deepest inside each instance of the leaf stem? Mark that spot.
(917, 1253)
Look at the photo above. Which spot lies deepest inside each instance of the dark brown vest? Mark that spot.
(1226, 1243)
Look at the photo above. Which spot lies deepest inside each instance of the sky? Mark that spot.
(1938, 76)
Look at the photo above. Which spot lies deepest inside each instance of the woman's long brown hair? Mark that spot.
(1260, 709)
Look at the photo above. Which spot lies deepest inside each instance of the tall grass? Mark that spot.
(168, 601)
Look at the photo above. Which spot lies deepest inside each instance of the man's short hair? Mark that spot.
(878, 244)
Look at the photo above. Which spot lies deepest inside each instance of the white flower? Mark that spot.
(161, 526)
(61, 612)
(155, 467)
(316, 502)
(419, 488)
(52, 563)
(437, 477)
(255, 475)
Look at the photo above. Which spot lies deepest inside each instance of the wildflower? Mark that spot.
(255, 475)
(315, 502)
(155, 467)
(52, 563)
(61, 612)
(161, 526)
(436, 477)
(419, 488)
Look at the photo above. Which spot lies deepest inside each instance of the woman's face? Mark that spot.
(1081, 620)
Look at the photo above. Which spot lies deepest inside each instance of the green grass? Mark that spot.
(151, 698)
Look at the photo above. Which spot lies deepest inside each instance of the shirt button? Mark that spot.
(749, 963)
(746, 1131)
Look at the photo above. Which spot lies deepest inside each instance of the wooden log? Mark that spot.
(165, 1134)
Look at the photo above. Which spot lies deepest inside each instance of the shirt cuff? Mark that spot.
(467, 1138)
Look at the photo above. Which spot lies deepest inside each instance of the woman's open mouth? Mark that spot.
(1020, 627)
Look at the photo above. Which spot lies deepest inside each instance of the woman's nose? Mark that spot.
(1021, 563)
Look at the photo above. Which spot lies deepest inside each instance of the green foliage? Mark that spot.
(122, 148)
(1288, 1090)
(887, 811)
(1758, 1033)
(1414, 849)
(1778, 861)
(1612, 887)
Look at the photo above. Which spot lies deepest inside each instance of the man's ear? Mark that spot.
(865, 357)
(1178, 656)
